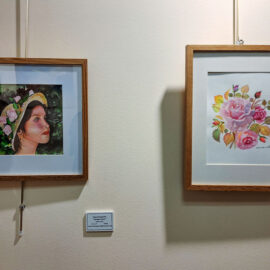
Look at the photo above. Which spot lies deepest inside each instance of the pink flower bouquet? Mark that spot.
(241, 120)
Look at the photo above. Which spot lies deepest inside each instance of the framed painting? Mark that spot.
(43, 119)
(227, 129)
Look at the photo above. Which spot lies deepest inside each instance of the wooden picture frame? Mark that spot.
(239, 161)
(47, 96)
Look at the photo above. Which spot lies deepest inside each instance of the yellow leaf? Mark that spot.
(219, 99)
(245, 89)
(228, 138)
(219, 117)
(222, 128)
(226, 95)
(264, 130)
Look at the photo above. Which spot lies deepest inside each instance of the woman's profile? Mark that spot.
(24, 123)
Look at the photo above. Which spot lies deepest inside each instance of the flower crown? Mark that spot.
(12, 116)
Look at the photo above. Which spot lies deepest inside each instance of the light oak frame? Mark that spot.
(59, 62)
(190, 50)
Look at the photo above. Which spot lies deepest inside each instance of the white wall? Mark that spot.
(136, 54)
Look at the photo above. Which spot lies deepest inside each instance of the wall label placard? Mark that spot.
(99, 222)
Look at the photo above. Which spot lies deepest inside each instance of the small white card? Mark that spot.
(99, 222)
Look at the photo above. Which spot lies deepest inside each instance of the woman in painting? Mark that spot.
(24, 122)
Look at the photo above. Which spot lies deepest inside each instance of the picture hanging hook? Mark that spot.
(236, 39)
(21, 207)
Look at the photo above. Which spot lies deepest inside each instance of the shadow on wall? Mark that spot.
(201, 215)
(36, 193)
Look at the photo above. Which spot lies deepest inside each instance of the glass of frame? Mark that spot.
(227, 127)
(43, 119)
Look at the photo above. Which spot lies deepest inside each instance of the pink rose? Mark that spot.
(12, 115)
(259, 114)
(17, 99)
(7, 130)
(237, 114)
(3, 120)
(246, 139)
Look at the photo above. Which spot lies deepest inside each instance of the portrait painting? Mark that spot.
(31, 120)
(43, 119)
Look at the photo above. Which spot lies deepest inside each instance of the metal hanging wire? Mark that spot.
(22, 205)
(26, 28)
(236, 39)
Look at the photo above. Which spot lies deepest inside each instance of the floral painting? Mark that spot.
(31, 119)
(242, 118)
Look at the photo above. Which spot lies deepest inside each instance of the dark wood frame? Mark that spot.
(58, 62)
(190, 50)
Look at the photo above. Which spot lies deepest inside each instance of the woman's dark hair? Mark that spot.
(26, 117)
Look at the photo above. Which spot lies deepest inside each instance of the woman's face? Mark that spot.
(36, 127)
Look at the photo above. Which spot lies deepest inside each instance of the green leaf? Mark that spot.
(12, 126)
(231, 95)
(8, 145)
(216, 135)
(267, 120)
(268, 107)
(24, 99)
(15, 106)
(255, 128)
(245, 96)
(238, 95)
(216, 107)
(3, 144)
